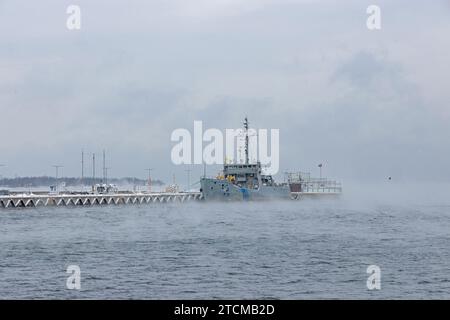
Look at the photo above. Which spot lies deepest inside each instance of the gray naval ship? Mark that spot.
(243, 181)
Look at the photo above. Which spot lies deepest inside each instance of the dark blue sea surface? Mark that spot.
(282, 250)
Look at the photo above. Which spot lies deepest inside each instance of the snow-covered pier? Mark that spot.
(46, 200)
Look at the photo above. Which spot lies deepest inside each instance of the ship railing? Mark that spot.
(295, 177)
(321, 185)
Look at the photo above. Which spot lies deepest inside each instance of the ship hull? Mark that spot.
(223, 190)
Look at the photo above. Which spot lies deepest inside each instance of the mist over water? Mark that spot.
(397, 193)
(284, 249)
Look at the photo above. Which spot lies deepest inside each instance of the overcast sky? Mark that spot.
(367, 104)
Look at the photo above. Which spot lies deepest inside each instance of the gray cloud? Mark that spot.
(367, 104)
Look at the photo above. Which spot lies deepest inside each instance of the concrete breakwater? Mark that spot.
(39, 200)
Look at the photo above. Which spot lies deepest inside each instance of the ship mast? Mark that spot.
(246, 139)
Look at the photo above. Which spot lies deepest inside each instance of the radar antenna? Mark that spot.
(246, 139)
